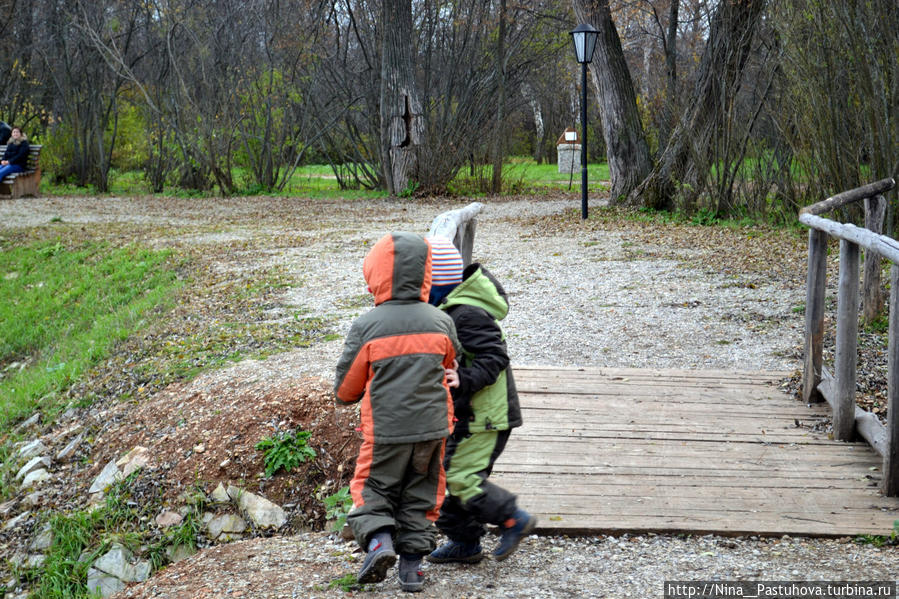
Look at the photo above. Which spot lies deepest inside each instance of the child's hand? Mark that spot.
(452, 376)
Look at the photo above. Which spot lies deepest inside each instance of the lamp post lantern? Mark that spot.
(584, 38)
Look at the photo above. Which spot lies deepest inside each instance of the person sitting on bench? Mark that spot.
(15, 158)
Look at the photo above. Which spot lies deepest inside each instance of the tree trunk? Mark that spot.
(670, 75)
(682, 163)
(402, 123)
(626, 148)
(498, 135)
(540, 138)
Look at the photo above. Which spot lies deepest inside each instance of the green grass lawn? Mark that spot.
(520, 174)
(61, 311)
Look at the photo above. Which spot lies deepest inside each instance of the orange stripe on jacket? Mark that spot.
(413, 343)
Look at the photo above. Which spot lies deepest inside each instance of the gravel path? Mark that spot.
(581, 296)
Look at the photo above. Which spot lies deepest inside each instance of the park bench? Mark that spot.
(26, 183)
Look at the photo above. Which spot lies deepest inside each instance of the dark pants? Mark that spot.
(399, 487)
(472, 501)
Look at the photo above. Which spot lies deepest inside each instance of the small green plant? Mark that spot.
(346, 583)
(285, 450)
(881, 324)
(338, 506)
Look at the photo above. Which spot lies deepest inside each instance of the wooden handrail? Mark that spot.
(839, 389)
(847, 197)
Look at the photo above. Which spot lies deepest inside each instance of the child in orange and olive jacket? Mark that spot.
(395, 360)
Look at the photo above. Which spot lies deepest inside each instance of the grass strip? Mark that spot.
(62, 309)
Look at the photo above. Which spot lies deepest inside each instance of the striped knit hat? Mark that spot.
(446, 262)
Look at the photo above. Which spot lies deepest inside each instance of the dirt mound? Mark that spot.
(204, 432)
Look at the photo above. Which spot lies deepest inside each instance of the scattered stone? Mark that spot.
(262, 512)
(35, 478)
(34, 419)
(68, 414)
(107, 476)
(168, 518)
(200, 448)
(43, 540)
(117, 562)
(7, 506)
(226, 527)
(32, 465)
(35, 561)
(176, 553)
(32, 499)
(70, 448)
(11, 524)
(220, 495)
(135, 459)
(105, 584)
(31, 449)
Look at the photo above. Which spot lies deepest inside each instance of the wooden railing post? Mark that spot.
(847, 343)
(890, 483)
(459, 227)
(814, 315)
(872, 297)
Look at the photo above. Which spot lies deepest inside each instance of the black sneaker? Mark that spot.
(412, 579)
(374, 569)
(454, 551)
(518, 526)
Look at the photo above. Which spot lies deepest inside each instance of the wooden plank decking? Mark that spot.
(625, 450)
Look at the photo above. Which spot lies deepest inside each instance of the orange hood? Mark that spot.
(399, 267)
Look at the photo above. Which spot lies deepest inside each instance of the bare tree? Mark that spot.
(627, 150)
(683, 165)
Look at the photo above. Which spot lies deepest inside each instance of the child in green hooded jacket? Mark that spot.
(486, 410)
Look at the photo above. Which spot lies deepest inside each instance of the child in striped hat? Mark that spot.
(446, 269)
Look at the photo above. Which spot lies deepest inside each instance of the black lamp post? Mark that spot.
(584, 37)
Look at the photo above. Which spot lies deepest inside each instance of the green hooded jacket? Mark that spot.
(486, 398)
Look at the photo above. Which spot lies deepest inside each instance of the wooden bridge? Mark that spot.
(616, 450)
(624, 450)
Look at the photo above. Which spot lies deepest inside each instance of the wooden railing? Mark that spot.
(459, 227)
(839, 388)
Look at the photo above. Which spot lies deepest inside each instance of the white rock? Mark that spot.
(35, 561)
(220, 495)
(107, 476)
(32, 465)
(43, 540)
(70, 447)
(262, 512)
(35, 478)
(31, 449)
(103, 583)
(116, 562)
(34, 419)
(32, 499)
(226, 524)
(135, 459)
(17, 520)
(168, 518)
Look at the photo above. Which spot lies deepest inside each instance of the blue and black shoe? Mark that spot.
(514, 529)
(455, 551)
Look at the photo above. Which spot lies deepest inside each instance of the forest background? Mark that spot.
(723, 108)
